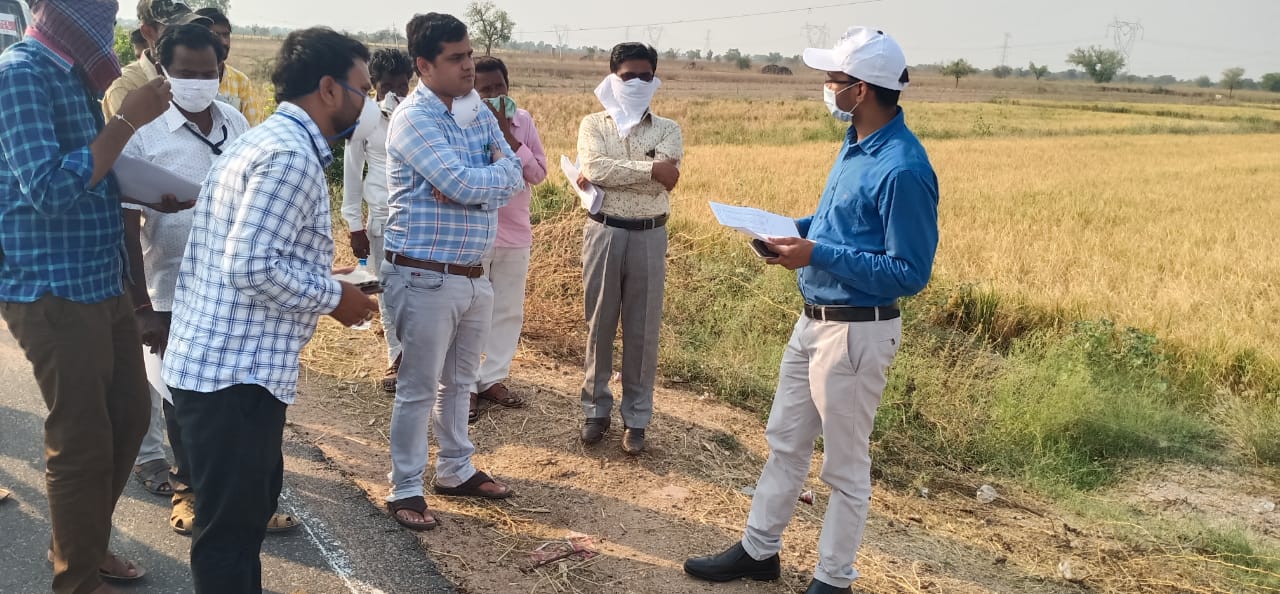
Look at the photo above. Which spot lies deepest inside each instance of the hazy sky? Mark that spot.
(1185, 39)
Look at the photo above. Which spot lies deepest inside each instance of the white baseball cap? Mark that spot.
(865, 54)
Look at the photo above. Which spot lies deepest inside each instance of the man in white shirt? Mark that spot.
(390, 71)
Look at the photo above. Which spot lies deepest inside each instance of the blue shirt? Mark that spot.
(256, 274)
(427, 150)
(876, 227)
(58, 234)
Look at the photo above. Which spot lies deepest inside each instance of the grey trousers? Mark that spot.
(442, 321)
(624, 273)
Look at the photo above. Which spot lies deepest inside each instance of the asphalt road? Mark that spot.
(345, 546)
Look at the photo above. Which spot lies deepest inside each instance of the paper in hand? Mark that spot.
(591, 196)
(148, 183)
(760, 224)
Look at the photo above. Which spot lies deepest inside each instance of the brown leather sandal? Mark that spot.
(417, 505)
(500, 395)
(471, 488)
(393, 374)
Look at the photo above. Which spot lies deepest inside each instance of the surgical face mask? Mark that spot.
(193, 95)
(504, 105)
(390, 103)
(829, 97)
(467, 108)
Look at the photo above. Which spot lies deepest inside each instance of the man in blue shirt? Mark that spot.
(871, 241)
(61, 271)
(449, 170)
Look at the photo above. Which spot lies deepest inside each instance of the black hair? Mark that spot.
(429, 32)
(492, 64)
(309, 55)
(190, 36)
(887, 97)
(388, 62)
(632, 51)
(136, 38)
(216, 16)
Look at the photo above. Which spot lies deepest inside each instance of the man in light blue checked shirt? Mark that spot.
(449, 170)
(254, 281)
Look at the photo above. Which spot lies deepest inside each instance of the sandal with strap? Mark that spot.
(393, 374)
(282, 523)
(500, 395)
(117, 563)
(182, 518)
(471, 488)
(473, 414)
(154, 476)
(416, 505)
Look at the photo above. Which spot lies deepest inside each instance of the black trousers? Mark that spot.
(180, 475)
(232, 439)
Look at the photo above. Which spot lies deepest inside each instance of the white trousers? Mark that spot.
(508, 270)
(833, 375)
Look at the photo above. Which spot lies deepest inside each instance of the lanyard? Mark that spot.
(215, 147)
(307, 132)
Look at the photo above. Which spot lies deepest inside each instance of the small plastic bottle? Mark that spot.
(362, 270)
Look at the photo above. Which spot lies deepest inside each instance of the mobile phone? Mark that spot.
(762, 249)
(370, 288)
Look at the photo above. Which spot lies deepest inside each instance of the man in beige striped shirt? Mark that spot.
(634, 156)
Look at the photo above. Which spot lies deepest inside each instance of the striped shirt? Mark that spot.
(256, 275)
(426, 150)
(58, 234)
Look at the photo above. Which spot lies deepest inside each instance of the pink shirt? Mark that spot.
(514, 229)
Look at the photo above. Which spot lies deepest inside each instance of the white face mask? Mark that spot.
(390, 103)
(193, 95)
(829, 97)
(370, 115)
(626, 101)
(467, 108)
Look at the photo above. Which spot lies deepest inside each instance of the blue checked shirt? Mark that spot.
(256, 275)
(58, 234)
(427, 150)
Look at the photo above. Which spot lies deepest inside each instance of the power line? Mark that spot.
(723, 17)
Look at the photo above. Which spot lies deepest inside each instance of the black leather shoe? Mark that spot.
(594, 429)
(821, 587)
(733, 564)
(633, 441)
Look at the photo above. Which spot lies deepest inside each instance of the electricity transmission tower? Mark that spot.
(817, 35)
(1125, 34)
(655, 36)
(562, 39)
(1004, 52)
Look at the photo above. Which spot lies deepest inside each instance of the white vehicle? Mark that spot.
(15, 15)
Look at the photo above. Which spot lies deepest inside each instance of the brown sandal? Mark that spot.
(393, 373)
(154, 476)
(282, 523)
(416, 505)
(106, 574)
(474, 413)
(500, 395)
(471, 488)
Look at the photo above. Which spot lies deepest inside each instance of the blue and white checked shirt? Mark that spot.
(58, 235)
(427, 150)
(256, 275)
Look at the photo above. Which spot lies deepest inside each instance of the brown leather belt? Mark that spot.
(456, 269)
(629, 224)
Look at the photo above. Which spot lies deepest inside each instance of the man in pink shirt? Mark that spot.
(507, 265)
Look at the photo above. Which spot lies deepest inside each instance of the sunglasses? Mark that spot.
(646, 77)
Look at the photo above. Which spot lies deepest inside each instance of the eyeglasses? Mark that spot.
(646, 77)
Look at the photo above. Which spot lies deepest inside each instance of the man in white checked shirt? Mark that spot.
(449, 169)
(253, 283)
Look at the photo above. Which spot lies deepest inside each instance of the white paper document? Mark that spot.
(760, 224)
(591, 196)
(146, 182)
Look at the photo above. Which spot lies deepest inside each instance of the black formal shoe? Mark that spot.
(733, 564)
(633, 441)
(820, 587)
(594, 429)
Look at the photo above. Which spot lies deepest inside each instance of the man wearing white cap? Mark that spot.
(871, 241)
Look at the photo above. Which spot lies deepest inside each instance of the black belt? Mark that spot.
(454, 269)
(629, 224)
(845, 313)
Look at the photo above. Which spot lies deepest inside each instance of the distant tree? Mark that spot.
(1001, 71)
(1204, 81)
(1038, 71)
(732, 55)
(124, 47)
(773, 58)
(959, 69)
(693, 55)
(490, 25)
(223, 5)
(671, 54)
(743, 62)
(711, 56)
(591, 52)
(1101, 64)
(1270, 82)
(1231, 79)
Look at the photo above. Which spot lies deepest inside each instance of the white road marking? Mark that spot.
(328, 546)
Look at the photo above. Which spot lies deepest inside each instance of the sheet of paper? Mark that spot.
(760, 224)
(591, 196)
(146, 182)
